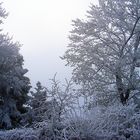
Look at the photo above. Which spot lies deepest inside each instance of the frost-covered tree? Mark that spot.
(65, 96)
(104, 49)
(50, 104)
(39, 96)
(38, 104)
(14, 85)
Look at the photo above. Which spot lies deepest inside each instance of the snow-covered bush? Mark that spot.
(19, 134)
(114, 122)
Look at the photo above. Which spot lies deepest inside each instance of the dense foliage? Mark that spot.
(14, 85)
(104, 49)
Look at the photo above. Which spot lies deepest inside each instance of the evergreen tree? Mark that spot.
(14, 86)
(38, 104)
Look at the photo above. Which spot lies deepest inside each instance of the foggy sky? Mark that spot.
(43, 26)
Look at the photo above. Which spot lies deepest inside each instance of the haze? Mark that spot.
(43, 26)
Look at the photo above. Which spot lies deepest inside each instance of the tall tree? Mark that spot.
(104, 49)
(14, 86)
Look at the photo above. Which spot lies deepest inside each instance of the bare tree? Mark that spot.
(65, 96)
(51, 103)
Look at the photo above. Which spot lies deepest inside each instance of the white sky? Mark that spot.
(42, 26)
